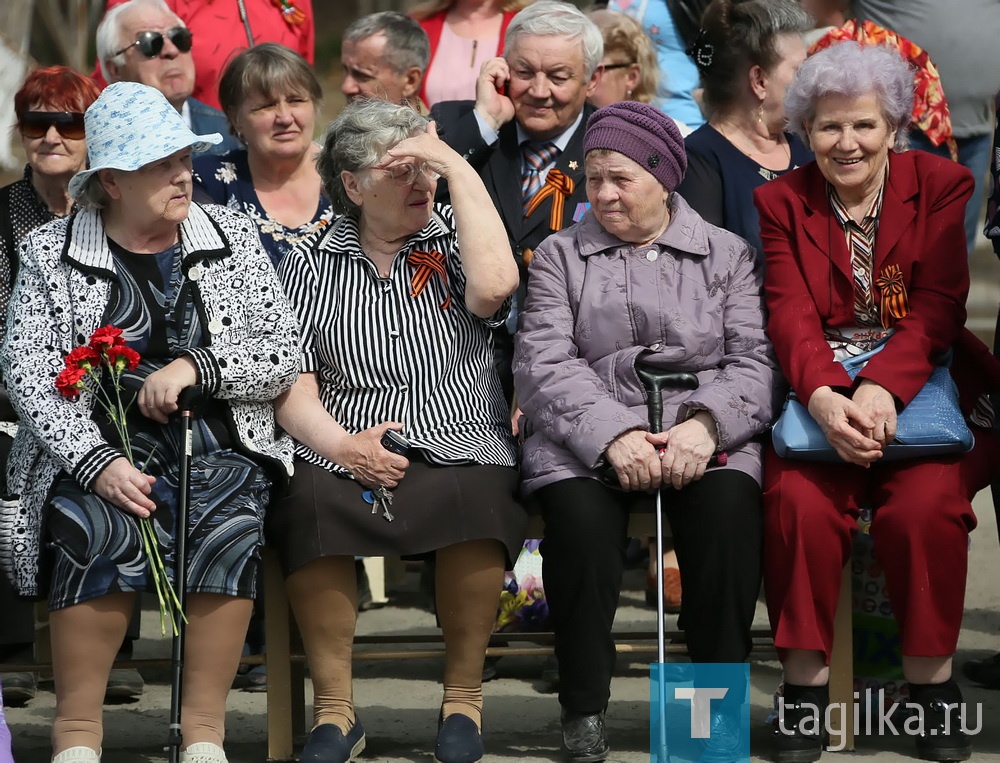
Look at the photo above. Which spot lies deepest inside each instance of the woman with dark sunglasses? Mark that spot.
(49, 109)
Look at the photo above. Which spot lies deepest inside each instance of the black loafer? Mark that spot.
(790, 742)
(327, 744)
(19, 688)
(458, 740)
(984, 672)
(942, 737)
(584, 737)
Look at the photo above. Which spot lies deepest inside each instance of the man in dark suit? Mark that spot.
(524, 131)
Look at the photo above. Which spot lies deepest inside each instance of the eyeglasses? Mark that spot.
(151, 43)
(36, 124)
(609, 67)
(406, 174)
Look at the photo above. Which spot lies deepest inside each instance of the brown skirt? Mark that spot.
(433, 507)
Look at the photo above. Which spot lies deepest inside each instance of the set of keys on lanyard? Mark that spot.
(381, 497)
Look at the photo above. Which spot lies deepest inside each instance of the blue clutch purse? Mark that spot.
(931, 425)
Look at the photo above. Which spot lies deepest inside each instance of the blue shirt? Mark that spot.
(678, 74)
(720, 181)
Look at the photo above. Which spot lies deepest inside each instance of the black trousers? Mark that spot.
(716, 525)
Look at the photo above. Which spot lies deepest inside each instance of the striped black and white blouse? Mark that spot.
(403, 348)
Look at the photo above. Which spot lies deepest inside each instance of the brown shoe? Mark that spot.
(671, 590)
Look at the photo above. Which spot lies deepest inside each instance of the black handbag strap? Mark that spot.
(687, 17)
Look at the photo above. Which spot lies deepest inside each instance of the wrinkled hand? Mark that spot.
(843, 424)
(497, 109)
(425, 148)
(688, 448)
(880, 406)
(635, 461)
(126, 487)
(158, 397)
(372, 465)
(515, 421)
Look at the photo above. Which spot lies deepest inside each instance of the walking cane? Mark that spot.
(654, 380)
(187, 401)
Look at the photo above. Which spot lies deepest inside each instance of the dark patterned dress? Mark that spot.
(95, 548)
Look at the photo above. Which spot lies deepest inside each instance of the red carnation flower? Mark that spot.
(83, 357)
(123, 357)
(106, 336)
(69, 382)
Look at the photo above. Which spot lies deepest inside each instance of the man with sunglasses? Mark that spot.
(144, 41)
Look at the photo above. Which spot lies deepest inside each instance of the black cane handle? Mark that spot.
(190, 398)
(655, 380)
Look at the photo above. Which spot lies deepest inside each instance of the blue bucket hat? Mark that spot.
(131, 125)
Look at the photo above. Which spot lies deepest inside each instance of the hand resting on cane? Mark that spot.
(635, 461)
(686, 449)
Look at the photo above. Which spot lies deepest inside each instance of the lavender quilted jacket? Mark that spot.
(690, 301)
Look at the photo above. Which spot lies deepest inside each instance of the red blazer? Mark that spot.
(808, 281)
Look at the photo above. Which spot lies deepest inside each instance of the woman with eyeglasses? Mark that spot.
(397, 302)
(271, 97)
(49, 109)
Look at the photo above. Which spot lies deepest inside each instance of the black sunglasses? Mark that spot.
(609, 67)
(36, 124)
(151, 43)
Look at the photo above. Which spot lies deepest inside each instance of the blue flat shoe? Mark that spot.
(458, 740)
(327, 744)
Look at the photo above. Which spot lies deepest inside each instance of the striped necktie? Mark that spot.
(536, 157)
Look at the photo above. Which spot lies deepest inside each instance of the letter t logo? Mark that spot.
(701, 708)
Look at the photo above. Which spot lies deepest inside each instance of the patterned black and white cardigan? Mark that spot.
(60, 296)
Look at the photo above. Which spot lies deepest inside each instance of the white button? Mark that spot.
(215, 326)
(194, 273)
(655, 346)
(290, 468)
(651, 255)
(394, 334)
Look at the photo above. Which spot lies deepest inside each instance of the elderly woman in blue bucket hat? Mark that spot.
(190, 289)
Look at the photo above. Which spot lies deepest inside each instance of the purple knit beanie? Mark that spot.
(644, 134)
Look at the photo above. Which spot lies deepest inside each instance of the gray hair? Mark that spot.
(851, 69)
(406, 43)
(93, 195)
(109, 31)
(554, 18)
(357, 139)
(737, 35)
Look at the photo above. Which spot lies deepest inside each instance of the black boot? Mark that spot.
(942, 737)
(799, 735)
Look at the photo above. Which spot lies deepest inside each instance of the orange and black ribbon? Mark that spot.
(425, 265)
(293, 16)
(894, 304)
(559, 186)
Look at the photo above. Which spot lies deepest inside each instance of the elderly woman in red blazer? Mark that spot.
(867, 242)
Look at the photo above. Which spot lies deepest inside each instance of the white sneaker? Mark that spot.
(77, 754)
(203, 752)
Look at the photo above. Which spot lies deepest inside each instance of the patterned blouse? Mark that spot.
(21, 211)
(226, 180)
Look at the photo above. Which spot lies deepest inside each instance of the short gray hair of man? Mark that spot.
(406, 43)
(850, 69)
(109, 31)
(357, 139)
(553, 18)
